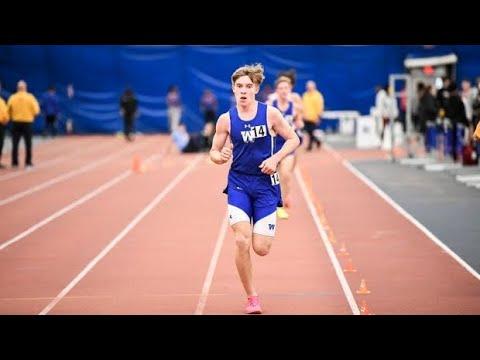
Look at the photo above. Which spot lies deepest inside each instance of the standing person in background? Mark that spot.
(427, 113)
(403, 109)
(22, 108)
(50, 109)
(174, 107)
(68, 110)
(476, 116)
(443, 94)
(209, 107)
(381, 105)
(455, 111)
(467, 95)
(476, 134)
(3, 126)
(186, 142)
(313, 106)
(476, 87)
(476, 105)
(129, 110)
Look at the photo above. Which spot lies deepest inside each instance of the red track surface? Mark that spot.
(159, 264)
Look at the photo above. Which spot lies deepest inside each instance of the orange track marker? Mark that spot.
(349, 266)
(362, 290)
(343, 250)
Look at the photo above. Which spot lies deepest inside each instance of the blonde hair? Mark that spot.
(254, 72)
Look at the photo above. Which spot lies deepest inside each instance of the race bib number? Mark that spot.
(275, 179)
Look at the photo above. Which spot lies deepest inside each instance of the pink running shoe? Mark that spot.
(253, 305)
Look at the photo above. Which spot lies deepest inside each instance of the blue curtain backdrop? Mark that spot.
(345, 74)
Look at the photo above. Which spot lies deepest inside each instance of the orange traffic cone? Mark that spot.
(362, 290)
(343, 250)
(137, 164)
(364, 309)
(349, 266)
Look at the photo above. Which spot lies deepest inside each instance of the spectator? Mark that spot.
(403, 109)
(427, 109)
(209, 106)
(69, 114)
(443, 93)
(468, 97)
(476, 88)
(22, 108)
(174, 107)
(185, 142)
(382, 106)
(476, 106)
(129, 111)
(313, 106)
(476, 134)
(50, 109)
(455, 111)
(3, 126)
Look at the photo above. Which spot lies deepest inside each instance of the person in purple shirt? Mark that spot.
(209, 106)
(50, 109)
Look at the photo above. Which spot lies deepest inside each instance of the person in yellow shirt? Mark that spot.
(313, 106)
(476, 134)
(3, 125)
(22, 108)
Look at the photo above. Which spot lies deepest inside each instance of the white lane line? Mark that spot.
(211, 268)
(64, 177)
(73, 205)
(121, 235)
(331, 253)
(407, 215)
(49, 163)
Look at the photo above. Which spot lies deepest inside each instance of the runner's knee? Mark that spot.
(243, 241)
